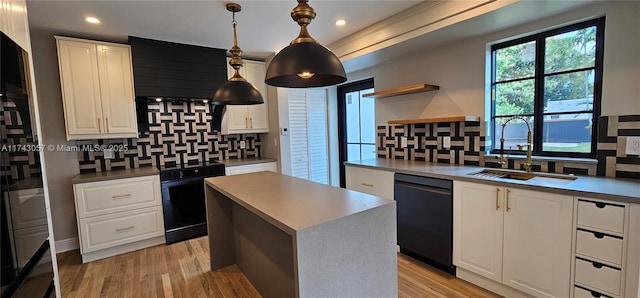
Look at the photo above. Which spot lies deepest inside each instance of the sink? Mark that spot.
(524, 176)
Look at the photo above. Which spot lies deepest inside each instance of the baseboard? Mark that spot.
(67, 244)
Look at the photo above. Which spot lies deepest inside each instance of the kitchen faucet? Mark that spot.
(527, 165)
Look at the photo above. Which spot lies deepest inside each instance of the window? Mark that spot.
(553, 80)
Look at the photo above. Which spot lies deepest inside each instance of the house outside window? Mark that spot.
(553, 80)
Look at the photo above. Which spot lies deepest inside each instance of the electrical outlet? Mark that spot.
(403, 142)
(633, 146)
(446, 142)
(108, 154)
(243, 144)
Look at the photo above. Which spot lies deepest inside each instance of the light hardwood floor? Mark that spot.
(182, 270)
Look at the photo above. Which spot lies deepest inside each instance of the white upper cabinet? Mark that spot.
(249, 118)
(14, 22)
(97, 89)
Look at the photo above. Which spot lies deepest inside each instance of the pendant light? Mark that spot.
(237, 91)
(304, 62)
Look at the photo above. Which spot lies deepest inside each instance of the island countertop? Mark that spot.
(290, 203)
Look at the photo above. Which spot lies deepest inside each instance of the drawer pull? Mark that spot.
(125, 229)
(367, 184)
(600, 205)
(595, 294)
(598, 235)
(497, 195)
(596, 265)
(122, 196)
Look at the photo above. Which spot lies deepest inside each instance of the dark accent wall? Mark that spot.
(179, 133)
(167, 69)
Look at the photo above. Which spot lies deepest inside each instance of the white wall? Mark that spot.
(459, 68)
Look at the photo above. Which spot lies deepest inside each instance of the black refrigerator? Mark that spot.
(27, 268)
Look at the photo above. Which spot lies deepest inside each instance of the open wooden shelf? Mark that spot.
(436, 120)
(403, 90)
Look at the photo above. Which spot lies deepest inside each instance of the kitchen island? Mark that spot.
(296, 238)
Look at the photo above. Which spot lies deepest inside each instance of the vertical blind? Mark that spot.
(308, 131)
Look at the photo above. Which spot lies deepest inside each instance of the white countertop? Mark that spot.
(290, 203)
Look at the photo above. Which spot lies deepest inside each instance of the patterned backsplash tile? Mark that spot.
(179, 133)
(424, 143)
(19, 158)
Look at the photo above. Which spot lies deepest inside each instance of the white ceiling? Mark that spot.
(264, 27)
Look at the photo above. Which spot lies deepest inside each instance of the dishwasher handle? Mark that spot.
(442, 191)
(426, 181)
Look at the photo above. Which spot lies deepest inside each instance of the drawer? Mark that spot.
(601, 216)
(606, 248)
(106, 197)
(111, 230)
(604, 278)
(251, 168)
(374, 182)
(582, 293)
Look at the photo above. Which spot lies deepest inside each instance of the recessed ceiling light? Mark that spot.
(340, 22)
(92, 20)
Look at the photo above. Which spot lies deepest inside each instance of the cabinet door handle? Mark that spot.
(106, 126)
(508, 208)
(122, 196)
(250, 122)
(497, 195)
(366, 184)
(246, 122)
(99, 125)
(125, 229)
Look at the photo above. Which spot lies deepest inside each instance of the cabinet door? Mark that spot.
(477, 228)
(116, 89)
(258, 114)
(80, 87)
(537, 242)
(14, 23)
(374, 182)
(235, 118)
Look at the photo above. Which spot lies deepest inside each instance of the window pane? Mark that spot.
(567, 133)
(368, 151)
(353, 117)
(514, 98)
(367, 119)
(353, 152)
(516, 61)
(570, 92)
(515, 132)
(571, 50)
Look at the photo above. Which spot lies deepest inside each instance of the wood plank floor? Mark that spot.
(182, 270)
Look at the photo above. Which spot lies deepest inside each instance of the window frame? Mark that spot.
(539, 80)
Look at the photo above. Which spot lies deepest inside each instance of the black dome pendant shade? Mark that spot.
(237, 91)
(304, 63)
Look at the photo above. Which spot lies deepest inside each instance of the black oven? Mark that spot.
(183, 200)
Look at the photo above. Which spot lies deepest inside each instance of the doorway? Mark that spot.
(356, 123)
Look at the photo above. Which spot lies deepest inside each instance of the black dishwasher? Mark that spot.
(425, 219)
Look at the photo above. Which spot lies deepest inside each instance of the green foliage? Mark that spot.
(563, 52)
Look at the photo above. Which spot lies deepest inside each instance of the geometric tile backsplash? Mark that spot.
(424, 143)
(179, 133)
(16, 164)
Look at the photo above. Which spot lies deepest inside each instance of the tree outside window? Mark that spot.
(553, 79)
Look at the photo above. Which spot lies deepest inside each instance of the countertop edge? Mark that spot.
(495, 181)
(113, 175)
(245, 161)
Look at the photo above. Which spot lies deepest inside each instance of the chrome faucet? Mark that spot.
(527, 165)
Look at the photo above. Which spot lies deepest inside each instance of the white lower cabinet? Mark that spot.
(251, 168)
(516, 237)
(117, 216)
(374, 182)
